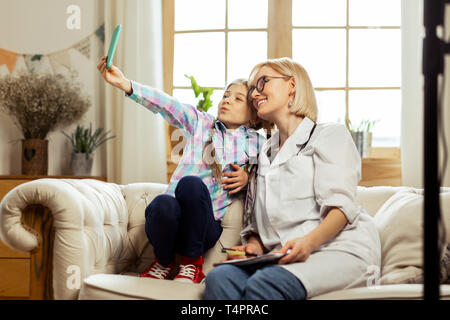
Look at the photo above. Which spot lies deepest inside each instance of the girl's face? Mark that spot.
(278, 92)
(233, 108)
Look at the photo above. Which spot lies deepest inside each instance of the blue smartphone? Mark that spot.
(113, 45)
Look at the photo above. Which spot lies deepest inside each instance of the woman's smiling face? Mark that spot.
(276, 94)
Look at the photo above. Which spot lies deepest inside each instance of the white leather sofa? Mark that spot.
(99, 237)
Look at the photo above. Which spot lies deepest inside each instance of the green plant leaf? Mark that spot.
(197, 89)
(205, 103)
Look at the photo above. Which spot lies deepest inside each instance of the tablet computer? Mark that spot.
(113, 45)
(268, 258)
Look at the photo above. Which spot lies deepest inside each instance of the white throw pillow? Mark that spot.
(400, 224)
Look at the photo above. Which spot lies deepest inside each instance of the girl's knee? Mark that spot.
(189, 180)
(189, 186)
(164, 207)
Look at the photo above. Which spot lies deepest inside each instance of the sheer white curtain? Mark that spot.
(138, 153)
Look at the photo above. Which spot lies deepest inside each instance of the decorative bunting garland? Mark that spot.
(9, 61)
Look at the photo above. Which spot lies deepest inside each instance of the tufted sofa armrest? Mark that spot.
(86, 230)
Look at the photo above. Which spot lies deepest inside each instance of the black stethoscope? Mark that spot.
(301, 146)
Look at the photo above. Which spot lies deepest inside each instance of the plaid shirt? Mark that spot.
(241, 145)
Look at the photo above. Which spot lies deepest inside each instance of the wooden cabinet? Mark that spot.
(381, 172)
(382, 168)
(27, 275)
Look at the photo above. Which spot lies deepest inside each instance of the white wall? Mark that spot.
(39, 27)
(412, 94)
(446, 103)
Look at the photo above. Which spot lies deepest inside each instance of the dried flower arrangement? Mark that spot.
(40, 103)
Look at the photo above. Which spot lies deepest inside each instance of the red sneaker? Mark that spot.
(190, 270)
(157, 270)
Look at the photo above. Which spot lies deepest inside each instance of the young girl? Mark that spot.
(186, 218)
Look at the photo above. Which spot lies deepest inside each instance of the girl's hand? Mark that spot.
(300, 248)
(236, 180)
(250, 247)
(114, 76)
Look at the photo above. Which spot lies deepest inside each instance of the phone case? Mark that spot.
(113, 45)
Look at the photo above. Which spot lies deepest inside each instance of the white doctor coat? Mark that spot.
(294, 193)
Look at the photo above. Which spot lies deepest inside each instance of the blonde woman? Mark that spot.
(305, 200)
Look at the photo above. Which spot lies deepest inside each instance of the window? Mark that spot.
(216, 41)
(351, 50)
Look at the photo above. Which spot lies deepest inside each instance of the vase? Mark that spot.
(35, 157)
(363, 142)
(79, 165)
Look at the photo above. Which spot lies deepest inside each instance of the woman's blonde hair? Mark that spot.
(255, 123)
(304, 103)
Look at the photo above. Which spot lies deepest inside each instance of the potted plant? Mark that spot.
(84, 142)
(39, 104)
(362, 136)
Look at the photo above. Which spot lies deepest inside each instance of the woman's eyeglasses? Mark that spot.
(261, 82)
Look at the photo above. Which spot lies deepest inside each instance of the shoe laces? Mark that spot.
(187, 270)
(159, 271)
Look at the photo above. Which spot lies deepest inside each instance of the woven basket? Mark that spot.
(34, 157)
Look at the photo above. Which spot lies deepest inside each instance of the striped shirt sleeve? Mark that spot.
(180, 115)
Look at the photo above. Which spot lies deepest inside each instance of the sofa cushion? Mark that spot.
(372, 198)
(138, 196)
(127, 287)
(400, 224)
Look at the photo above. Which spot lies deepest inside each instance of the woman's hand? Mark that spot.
(300, 248)
(251, 247)
(236, 180)
(114, 76)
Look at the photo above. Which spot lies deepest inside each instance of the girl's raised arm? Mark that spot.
(180, 115)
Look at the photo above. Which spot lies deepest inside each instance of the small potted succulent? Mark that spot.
(84, 142)
(362, 136)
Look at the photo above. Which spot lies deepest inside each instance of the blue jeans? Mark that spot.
(183, 224)
(271, 282)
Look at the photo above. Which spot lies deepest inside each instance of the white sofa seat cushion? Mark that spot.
(127, 287)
